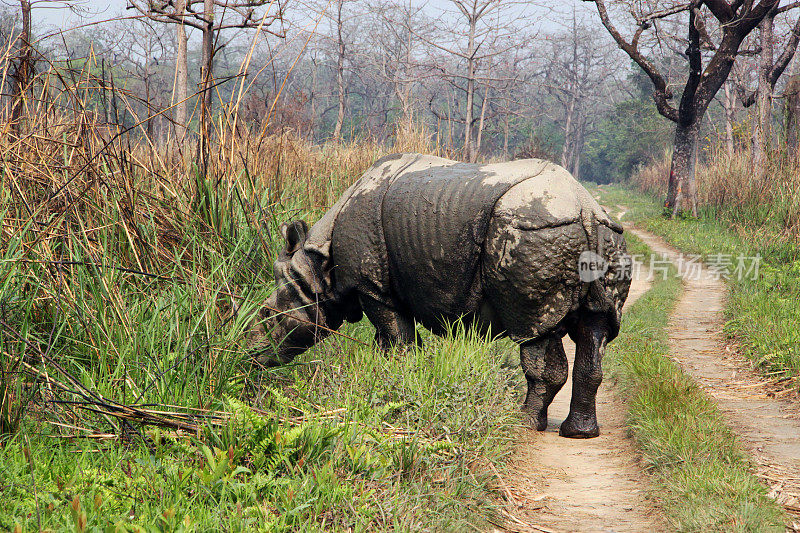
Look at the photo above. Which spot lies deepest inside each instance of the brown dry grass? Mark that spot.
(728, 185)
(71, 176)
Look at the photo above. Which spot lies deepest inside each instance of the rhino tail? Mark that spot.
(608, 288)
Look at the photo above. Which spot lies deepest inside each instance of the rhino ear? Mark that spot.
(295, 235)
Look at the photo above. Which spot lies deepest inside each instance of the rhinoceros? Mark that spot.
(520, 249)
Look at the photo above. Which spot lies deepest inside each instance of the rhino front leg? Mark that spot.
(590, 335)
(545, 365)
(391, 328)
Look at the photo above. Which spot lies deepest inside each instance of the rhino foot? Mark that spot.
(537, 419)
(545, 365)
(541, 421)
(577, 427)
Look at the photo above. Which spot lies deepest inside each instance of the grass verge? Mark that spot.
(345, 439)
(701, 474)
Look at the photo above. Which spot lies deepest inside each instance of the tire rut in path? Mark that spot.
(768, 427)
(594, 485)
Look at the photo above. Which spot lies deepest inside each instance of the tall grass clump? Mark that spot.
(129, 270)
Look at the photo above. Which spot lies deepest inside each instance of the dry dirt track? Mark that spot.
(767, 423)
(567, 485)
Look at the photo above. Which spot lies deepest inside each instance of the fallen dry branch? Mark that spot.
(94, 402)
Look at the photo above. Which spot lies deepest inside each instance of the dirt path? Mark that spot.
(769, 426)
(566, 485)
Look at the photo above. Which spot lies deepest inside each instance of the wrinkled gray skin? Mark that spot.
(428, 240)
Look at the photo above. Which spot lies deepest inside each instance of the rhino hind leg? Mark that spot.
(392, 329)
(590, 333)
(545, 365)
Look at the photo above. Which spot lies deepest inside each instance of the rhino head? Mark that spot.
(302, 310)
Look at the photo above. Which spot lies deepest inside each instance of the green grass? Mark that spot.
(345, 438)
(387, 442)
(761, 314)
(700, 473)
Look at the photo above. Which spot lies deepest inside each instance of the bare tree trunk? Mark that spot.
(506, 128)
(148, 100)
(481, 123)
(730, 119)
(762, 133)
(408, 108)
(468, 119)
(449, 125)
(681, 188)
(148, 103)
(24, 68)
(403, 94)
(405, 97)
(566, 152)
(682, 195)
(577, 147)
(469, 148)
(792, 103)
(105, 95)
(181, 71)
(337, 130)
(208, 53)
(312, 99)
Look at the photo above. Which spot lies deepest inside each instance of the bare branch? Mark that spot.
(662, 93)
(787, 7)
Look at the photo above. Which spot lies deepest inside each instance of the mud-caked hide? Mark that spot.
(429, 237)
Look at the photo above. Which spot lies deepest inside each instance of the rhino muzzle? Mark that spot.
(277, 337)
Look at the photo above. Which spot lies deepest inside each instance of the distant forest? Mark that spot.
(485, 78)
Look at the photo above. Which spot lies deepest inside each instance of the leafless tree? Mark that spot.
(733, 23)
(733, 93)
(341, 49)
(180, 89)
(770, 70)
(729, 105)
(792, 104)
(144, 49)
(23, 67)
(339, 41)
(210, 17)
(579, 63)
(393, 44)
(479, 31)
(23, 64)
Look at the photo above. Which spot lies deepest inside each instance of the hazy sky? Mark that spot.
(63, 18)
(97, 11)
(104, 10)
